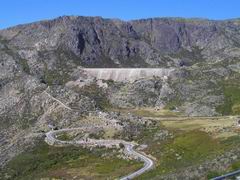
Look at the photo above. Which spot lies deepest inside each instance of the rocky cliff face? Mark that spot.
(97, 42)
(44, 61)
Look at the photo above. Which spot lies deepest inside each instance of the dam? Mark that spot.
(127, 74)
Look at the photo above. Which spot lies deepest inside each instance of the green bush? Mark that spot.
(24, 64)
(231, 100)
(212, 174)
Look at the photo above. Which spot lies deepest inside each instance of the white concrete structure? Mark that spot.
(127, 74)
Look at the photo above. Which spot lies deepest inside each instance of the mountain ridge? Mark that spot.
(129, 20)
(153, 42)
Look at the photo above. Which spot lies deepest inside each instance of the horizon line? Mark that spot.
(122, 19)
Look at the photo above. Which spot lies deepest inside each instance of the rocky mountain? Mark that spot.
(97, 42)
(41, 69)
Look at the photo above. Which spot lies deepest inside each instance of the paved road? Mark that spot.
(148, 163)
(51, 139)
(228, 175)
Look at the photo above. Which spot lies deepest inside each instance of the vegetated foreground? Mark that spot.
(129, 151)
(44, 161)
(182, 147)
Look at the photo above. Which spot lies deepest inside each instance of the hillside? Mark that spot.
(189, 66)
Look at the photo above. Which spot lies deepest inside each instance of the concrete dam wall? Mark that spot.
(127, 74)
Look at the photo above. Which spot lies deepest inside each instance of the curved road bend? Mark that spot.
(228, 175)
(148, 163)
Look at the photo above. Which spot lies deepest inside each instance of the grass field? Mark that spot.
(218, 127)
(67, 163)
(150, 112)
(194, 141)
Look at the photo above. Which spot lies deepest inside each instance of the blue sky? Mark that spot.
(13, 12)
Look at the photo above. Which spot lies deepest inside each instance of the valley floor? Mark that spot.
(181, 147)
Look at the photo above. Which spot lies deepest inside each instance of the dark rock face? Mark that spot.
(100, 42)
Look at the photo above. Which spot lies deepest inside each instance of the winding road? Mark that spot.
(51, 139)
(148, 163)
